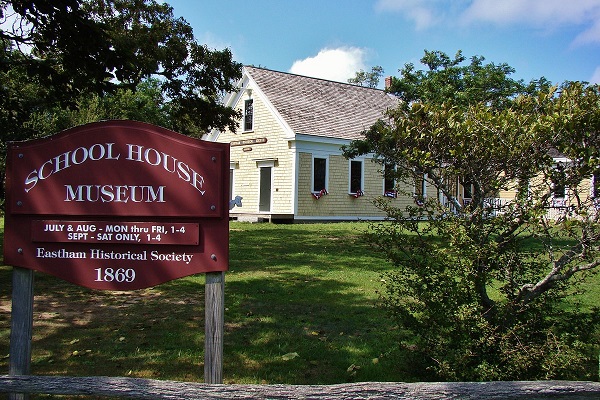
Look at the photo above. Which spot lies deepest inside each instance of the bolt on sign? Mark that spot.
(117, 205)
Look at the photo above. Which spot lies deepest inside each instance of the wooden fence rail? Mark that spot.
(135, 388)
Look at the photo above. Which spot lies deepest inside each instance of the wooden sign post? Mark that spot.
(21, 329)
(214, 296)
(117, 205)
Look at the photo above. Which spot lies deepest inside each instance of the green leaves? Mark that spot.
(449, 80)
(86, 48)
(367, 79)
(479, 285)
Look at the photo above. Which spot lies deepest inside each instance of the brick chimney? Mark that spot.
(388, 82)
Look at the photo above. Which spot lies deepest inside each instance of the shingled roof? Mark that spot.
(318, 107)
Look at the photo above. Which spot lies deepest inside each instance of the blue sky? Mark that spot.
(332, 39)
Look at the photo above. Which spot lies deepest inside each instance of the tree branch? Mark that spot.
(529, 292)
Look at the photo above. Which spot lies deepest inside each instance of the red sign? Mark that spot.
(117, 205)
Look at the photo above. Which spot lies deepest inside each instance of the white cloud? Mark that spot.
(595, 79)
(212, 41)
(591, 35)
(534, 11)
(583, 15)
(424, 13)
(338, 64)
(547, 14)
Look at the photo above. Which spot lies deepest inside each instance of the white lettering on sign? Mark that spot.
(169, 163)
(41, 252)
(177, 257)
(99, 254)
(57, 231)
(54, 228)
(115, 275)
(115, 255)
(98, 151)
(116, 193)
(108, 193)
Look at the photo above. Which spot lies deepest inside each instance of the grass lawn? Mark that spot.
(300, 309)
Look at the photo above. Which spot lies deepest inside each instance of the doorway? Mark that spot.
(264, 198)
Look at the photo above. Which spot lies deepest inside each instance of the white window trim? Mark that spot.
(266, 163)
(312, 175)
(362, 174)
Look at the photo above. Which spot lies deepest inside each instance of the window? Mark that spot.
(596, 185)
(558, 190)
(468, 190)
(319, 174)
(356, 176)
(558, 186)
(420, 186)
(248, 114)
(558, 179)
(389, 184)
(558, 194)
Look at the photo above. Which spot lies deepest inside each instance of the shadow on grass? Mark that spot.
(300, 309)
(84, 332)
(302, 331)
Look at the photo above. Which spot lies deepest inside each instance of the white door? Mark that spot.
(264, 199)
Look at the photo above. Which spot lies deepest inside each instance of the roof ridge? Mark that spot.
(315, 78)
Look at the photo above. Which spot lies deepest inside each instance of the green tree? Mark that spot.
(146, 103)
(478, 290)
(73, 47)
(56, 56)
(450, 80)
(368, 79)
